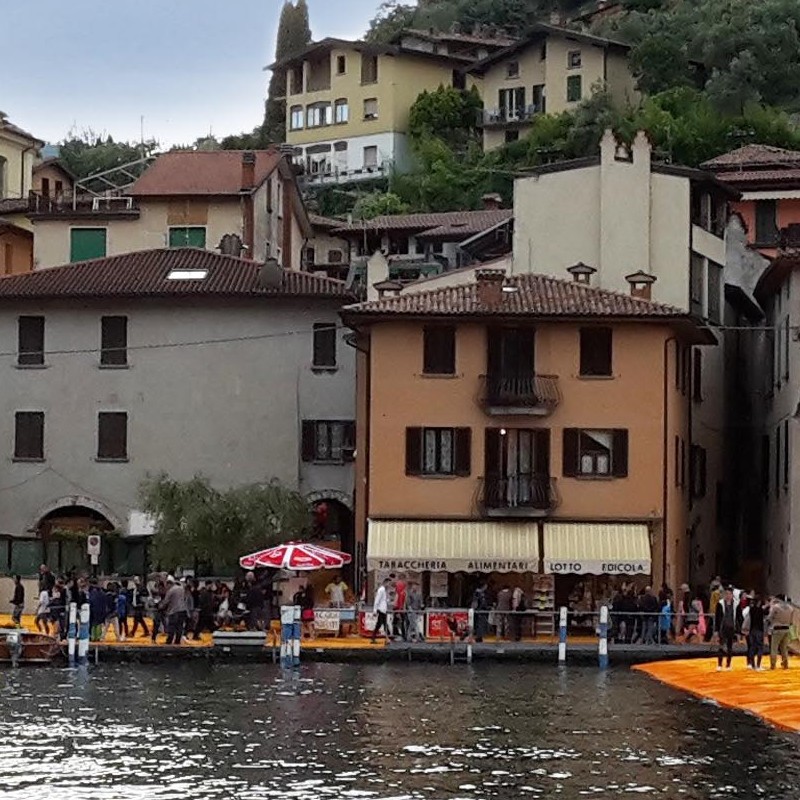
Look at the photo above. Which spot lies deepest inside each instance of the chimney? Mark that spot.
(641, 284)
(581, 273)
(248, 202)
(388, 288)
(492, 202)
(490, 287)
(248, 171)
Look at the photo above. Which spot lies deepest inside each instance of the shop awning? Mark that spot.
(582, 548)
(467, 546)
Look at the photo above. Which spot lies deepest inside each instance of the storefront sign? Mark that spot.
(438, 627)
(452, 565)
(597, 567)
(327, 620)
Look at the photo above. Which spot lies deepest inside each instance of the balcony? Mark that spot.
(507, 117)
(82, 205)
(519, 496)
(519, 395)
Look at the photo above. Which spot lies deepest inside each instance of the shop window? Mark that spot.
(574, 88)
(697, 471)
(766, 222)
(29, 436)
(439, 350)
(113, 341)
(188, 237)
(324, 345)
(596, 346)
(30, 341)
(328, 441)
(296, 118)
(112, 436)
(438, 451)
(595, 453)
(574, 59)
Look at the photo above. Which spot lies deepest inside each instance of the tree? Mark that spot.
(378, 204)
(392, 18)
(196, 523)
(86, 153)
(294, 33)
(447, 114)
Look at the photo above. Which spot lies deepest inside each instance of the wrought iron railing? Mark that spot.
(522, 492)
(525, 391)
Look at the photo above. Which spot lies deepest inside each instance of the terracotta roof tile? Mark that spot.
(752, 155)
(144, 274)
(531, 295)
(752, 177)
(466, 222)
(319, 221)
(212, 173)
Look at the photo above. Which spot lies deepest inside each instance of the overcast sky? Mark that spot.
(190, 67)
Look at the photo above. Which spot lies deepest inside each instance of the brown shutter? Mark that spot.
(349, 441)
(570, 454)
(619, 456)
(413, 451)
(492, 466)
(463, 455)
(308, 446)
(542, 453)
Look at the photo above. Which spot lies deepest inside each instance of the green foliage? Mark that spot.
(391, 19)
(86, 153)
(378, 204)
(197, 523)
(447, 114)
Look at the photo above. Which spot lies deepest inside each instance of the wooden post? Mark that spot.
(562, 635)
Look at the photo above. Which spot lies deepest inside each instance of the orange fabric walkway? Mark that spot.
(772, 695)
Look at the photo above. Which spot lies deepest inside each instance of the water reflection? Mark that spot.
(385, 732)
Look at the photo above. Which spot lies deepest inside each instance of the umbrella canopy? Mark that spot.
(298, 556)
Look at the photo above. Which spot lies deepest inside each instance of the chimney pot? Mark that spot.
(641, 284)
(490, 287)
(492, 201)
(581, 273)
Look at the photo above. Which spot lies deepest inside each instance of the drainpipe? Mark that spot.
(665, 459)
(22, 173)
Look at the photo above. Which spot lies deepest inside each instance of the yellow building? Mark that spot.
(550, 71)
(348, 104)
(19, 152)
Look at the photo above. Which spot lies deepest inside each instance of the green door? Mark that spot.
(87, 243)
(187, 237)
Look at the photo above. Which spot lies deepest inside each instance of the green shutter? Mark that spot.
(87, 243)
(187, 237)
(574, 88)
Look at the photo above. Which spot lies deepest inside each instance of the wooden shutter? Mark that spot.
(87, 243)
(570, 452)
(492, 458)
(112, 435)
(29, 435)
(413, 451)
(463, 451)
(308, 444)
(439, 355)
(324, 344)
(349, 448)
(619, 455)
(541, 464)
(114, 341)
(30, 340)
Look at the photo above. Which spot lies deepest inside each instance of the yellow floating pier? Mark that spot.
(773, 695)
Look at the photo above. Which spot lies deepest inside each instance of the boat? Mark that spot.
(19, 646)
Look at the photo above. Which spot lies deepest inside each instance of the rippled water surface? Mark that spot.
(387, 732)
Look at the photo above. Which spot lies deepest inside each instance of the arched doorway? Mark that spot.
(63, 533)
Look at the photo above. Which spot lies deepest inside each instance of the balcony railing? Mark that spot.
(519, 495)
(83, 204)
(520, 394)
(501, 117)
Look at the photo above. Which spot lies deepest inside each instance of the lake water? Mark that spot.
(193, 730)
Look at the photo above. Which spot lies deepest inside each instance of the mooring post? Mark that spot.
(297, 627)
(603, 643)
(471, 633)
(72, 633)
(562, 635)
(83, 635)
(287, 633)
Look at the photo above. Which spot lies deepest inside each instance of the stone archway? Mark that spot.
(331, 494)
(74, 502)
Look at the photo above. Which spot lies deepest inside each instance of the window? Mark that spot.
(324, 344)
(697, 470)
(45, 187)
(114, 341)
(512, 103)
(29, 436)
(296, 118)
(787, 333)
(590, 453)
(369, 69)
(328, 441)
(697, 375)
(459, 80)
(574, 59)
(334, 256)
(341, 112)
(370, 157)
(543, 52)
(371, 108)
(314, 116)
(59, 188)
(341, 65)
(187, 275)
(187, 237)
(574, 88)
(309, 256)
(714, 293)
(766, 222)
(596, 351)
(30, 341)
(439, 346)
(87, 243)
(512, 69)
(538, 99)
(112, 436)
(786, 455)
(438, 451)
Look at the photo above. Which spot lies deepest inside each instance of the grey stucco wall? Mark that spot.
(231, 411)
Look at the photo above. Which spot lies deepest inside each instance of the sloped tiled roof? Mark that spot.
(15, 130)
(530, 295)
(214, 173)
(467, 223)
(761, 177)
(754, 155)
(319, 221)
(144, 274)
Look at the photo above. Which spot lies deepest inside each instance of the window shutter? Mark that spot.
(463, 457)
(697, 375)
(349, 441)
(570, 454)
(542, 453)
(413, 451)
(619, 456)
(308, 440)
(30, 340)
(492, 466)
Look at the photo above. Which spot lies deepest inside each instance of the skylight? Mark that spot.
(187, 275)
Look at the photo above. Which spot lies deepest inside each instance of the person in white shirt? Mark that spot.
(381, 608)
(43, 612)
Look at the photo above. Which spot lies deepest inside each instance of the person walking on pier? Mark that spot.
(414, 605)
(43, 612)
(518, 607)
(17, 602)
(138, 600)
(725, 623)
(779, 619)
(753, 629)
(381, 607)
(501, 613)
(173, 607)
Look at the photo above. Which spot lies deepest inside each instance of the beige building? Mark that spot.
(550, 71)
(230, 201)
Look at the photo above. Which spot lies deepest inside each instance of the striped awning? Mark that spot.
(584, 548)
(468, 546)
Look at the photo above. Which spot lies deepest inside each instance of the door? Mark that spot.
(510, 363)
(512, 103)
(517, 467)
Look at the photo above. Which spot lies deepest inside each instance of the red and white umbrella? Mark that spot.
(297, 556)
